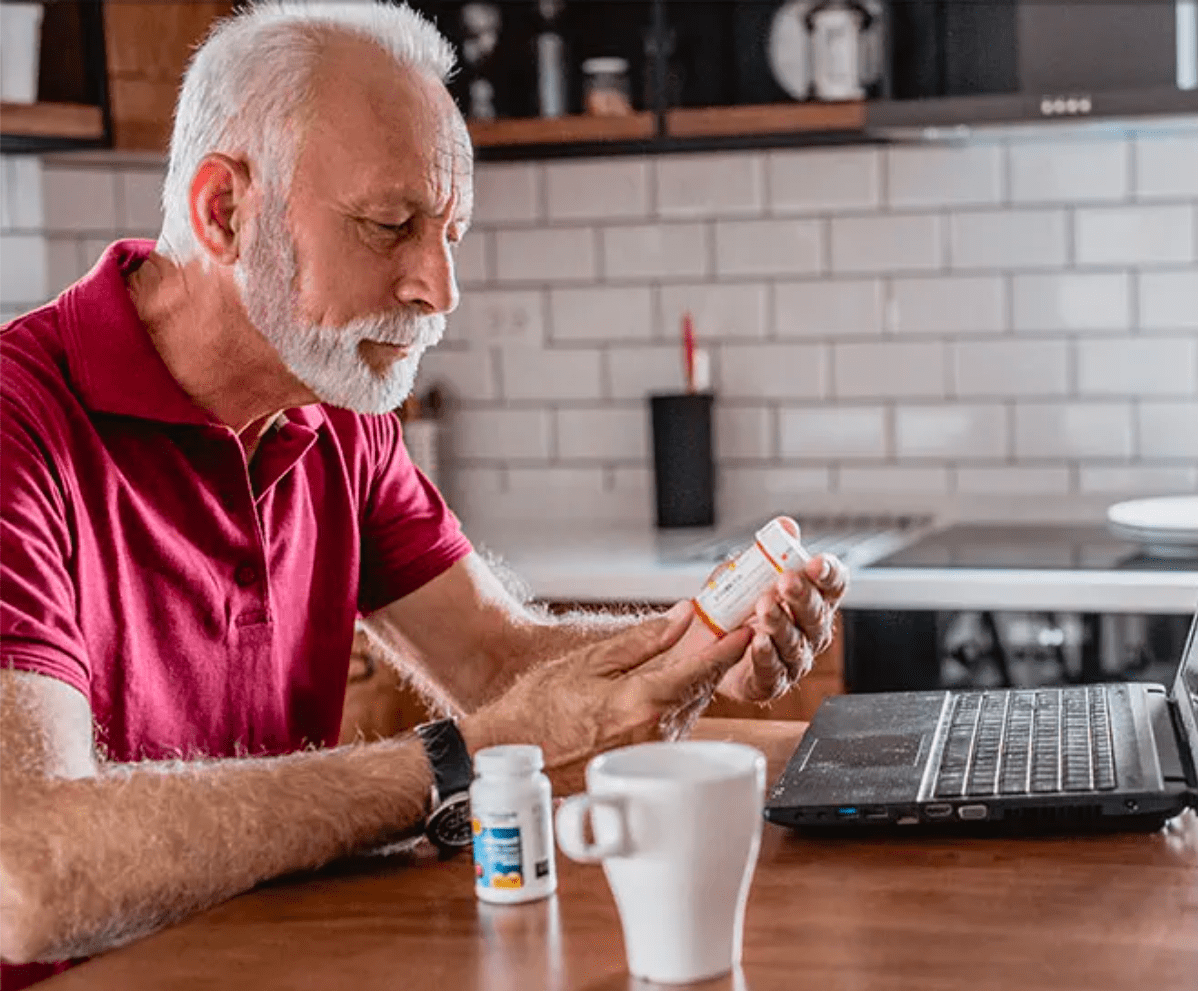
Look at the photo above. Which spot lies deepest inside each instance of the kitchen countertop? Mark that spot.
(607, 562)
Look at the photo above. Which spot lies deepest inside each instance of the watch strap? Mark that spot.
(452, 767)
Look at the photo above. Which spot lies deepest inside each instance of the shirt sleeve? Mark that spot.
(409, 534)
(38, 627)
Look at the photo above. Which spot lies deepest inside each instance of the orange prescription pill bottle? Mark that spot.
(732, 590)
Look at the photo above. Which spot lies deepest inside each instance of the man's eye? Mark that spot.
(390, 230)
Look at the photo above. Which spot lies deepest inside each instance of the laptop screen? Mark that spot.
(1185, 689)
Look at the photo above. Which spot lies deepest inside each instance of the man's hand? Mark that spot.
(596, 696)
(792, 623)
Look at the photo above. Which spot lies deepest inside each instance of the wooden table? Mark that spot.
(1088, 914)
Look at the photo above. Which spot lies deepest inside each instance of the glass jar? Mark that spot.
(606, 91)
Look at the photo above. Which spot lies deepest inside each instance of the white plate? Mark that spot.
(1169, 524)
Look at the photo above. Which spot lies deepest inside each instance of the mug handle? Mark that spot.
(570, 816)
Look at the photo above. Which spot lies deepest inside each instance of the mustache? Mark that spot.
(399, 328)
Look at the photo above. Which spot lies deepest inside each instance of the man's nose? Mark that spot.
(427, 279)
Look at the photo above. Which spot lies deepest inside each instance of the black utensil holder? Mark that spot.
(683, 462)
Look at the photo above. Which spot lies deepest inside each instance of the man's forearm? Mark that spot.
(93, 863)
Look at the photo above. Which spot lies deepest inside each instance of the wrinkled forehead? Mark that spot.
(377, 128)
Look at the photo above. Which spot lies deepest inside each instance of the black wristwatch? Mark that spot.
(448, 825)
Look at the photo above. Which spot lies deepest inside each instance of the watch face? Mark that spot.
(449, 826)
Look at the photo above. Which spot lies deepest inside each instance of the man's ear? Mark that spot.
(217, 204)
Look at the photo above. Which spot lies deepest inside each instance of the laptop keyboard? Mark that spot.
(1027, 742)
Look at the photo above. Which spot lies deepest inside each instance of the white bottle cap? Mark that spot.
(780, 540)
(512, 760)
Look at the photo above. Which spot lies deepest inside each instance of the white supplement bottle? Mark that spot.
(511, 807)
(731, 591)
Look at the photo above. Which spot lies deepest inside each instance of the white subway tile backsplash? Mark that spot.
(889, 368)
(63, 264)
(1073, 430)
(1069, 172)
(529, 373)
(967, 175)
(498, 318)
(833, 433)
(964, 349)
(741, 490)
(471, 259)
(1011, 368)
(602, 313)
(887, 479)
(885, 244)
(79, 199)
(947, 305)
(93, 248)
(768, 247)
(1138, 366)
(464, 374)
(842, 308)
(141, 202)
(598, 189)
(23, 270)
(1010, 480)
(546, 255)
(605, 433)
(499, 434)
(1169, 429)
(774, 371)
(824, 181)
(1135, 235)
(1167, 166)
(957, 431)
(635, 373)
(743, 432)
(1137, 480)
(23, 199)
(655, 251)
(1083, 302)
(505, 194)
(554, 493)
(1008, 239)
(710, 185)
(720, 312)
(1169, 300)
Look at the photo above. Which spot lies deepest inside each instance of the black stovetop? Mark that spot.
(1088, 547)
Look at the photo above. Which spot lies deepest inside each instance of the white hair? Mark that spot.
(248, 86)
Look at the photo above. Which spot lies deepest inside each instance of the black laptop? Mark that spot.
(1084, 757)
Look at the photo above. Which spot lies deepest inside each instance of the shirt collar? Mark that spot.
(112, 361)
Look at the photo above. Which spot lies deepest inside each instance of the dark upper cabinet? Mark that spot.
(991, 61)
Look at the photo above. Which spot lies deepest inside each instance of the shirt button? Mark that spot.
(246, 574)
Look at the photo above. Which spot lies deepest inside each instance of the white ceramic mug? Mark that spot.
(677, 827)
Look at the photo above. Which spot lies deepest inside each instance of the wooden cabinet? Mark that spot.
(147, 46)
(379, 703)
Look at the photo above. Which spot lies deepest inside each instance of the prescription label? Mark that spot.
(498, 855)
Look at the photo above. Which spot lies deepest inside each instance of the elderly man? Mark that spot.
(198, 502)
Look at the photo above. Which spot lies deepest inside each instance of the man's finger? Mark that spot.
(772, 673)
(812, 613)
(775, 620)
(633, 647)
(829, 574)
(675, 677)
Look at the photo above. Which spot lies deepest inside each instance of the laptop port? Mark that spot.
(876, 815)
(848, 812)
(938, 810)
(976, 811)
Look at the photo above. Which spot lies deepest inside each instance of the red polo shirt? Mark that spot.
(203, 606)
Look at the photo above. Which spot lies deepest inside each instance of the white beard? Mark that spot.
(326, 358)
